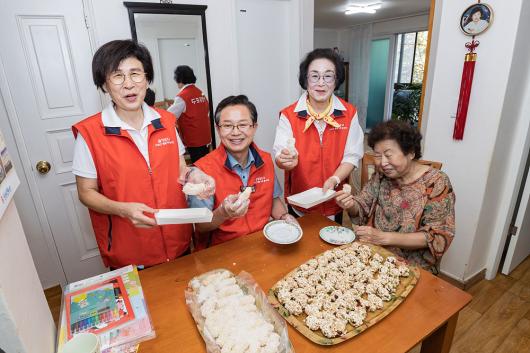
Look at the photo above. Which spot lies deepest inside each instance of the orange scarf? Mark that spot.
(318, 116)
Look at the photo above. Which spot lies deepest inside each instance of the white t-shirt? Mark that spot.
(83, 163)
(179, 106)
(354, 148)
(477, 27)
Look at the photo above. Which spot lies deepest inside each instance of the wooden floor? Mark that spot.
(496, 321)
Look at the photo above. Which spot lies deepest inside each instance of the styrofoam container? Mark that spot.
(310, 198)
(183, 215)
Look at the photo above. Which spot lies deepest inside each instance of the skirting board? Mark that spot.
(464, 284)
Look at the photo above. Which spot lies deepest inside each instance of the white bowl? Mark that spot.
(282, 232)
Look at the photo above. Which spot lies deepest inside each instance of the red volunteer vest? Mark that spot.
(123, 175)
(316, 161)
(194, 123)
(227, 182)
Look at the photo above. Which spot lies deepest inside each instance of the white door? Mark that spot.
(519, 247)
(46, 55)
(174, 52)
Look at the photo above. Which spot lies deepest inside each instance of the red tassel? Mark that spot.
(465, 89)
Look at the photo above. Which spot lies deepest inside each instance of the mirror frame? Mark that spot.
(176, 9)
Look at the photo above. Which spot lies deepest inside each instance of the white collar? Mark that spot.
(302, 103)
(111, 119)
(186, 85)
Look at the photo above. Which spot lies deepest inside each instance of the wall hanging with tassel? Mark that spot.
(476, 19)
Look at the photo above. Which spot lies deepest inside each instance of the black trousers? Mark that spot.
(338, 216)
(197, 153)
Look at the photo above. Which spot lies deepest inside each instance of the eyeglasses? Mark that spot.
(227, 128)
(314, 77)
(118, 78)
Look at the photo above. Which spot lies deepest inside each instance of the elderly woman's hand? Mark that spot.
(287, 160)
(344, 199)
(371, 235)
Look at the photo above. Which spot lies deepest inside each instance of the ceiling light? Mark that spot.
(371, 8)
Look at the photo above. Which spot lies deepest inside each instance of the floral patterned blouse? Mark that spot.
(425, 205)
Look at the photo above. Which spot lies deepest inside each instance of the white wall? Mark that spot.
(509, 155)
(26, 324)
(266, 23)
(326, 38)
(469, 162)
(177, 27)
(329, 38)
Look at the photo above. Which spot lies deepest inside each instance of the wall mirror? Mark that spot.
(175, 35)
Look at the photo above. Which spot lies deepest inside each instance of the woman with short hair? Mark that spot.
(406, 206)
(128, 160)
(328, 138)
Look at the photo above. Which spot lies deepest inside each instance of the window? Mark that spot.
(409, 65)
(410, 57)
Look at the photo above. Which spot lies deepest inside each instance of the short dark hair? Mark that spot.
(109, 56)
(407, 137)
(184, 74)
(322, 54)
(236, 100)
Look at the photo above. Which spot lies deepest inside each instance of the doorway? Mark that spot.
(46, 75)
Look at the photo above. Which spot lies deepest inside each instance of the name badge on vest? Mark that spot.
(243, 187)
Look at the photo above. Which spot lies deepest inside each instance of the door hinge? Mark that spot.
(513, 230)
(86, 22)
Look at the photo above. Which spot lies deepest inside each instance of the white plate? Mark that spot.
(310, 198)
(282, 232)
(183, 215)
(337, 235)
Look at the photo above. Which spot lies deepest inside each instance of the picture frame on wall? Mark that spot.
(476, 19)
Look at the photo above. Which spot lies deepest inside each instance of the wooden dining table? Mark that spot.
(428, 315)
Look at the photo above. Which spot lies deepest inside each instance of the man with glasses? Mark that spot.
(327, 134)
(128, 160)
(238, 164)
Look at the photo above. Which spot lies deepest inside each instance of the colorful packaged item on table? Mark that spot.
(111, 305)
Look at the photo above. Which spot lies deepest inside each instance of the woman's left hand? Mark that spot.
(331, 183)
(371, 235)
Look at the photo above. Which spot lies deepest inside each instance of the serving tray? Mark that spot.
(402, 291)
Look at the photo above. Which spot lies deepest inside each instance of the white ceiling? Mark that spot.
(330, 13)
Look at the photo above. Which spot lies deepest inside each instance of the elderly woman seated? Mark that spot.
(406, 206)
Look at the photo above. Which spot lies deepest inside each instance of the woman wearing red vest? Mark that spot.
(328, 138)
(192, 111)
(236, 164)
(127, 162)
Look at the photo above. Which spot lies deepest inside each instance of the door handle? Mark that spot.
(43, 167)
